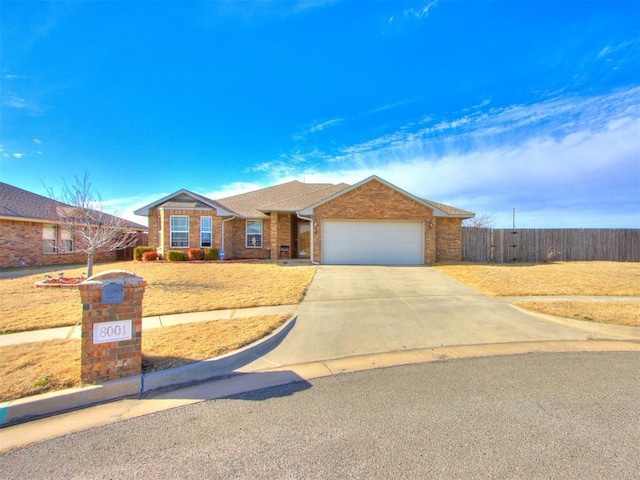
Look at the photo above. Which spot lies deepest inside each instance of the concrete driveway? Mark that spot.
(360, 310)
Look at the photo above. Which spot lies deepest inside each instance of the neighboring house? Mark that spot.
(371, 222)
(32, 232)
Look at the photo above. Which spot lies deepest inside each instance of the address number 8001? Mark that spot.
(105, 332)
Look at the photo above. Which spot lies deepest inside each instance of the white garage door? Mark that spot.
(372, 243)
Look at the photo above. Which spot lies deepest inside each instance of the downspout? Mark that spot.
(222, 240)
(310, 220)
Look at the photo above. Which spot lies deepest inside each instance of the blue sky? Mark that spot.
(487, 106)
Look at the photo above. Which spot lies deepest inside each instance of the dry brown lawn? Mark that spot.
(27, 369)
(171, 288)
(561, 278)
(615, 313)
(607, 279)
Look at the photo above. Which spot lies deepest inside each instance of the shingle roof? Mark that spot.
(22, 204)
(448, 209)
(298, 203)
(290, 197)
(184, 199)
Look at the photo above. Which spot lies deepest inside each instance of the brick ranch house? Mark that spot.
(372, 222)
(32, 232)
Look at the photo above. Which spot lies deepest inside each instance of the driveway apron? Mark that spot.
(358, 310)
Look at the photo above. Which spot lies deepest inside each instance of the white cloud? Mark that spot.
(17, 155)
(321, 126)
(124, 207)
(20, 103)
(575, 157)
(421, 12)
(604, 51)
(231, 189)
(318, 127)
(15, 102)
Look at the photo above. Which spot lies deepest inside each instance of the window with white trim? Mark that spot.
(179, 231)
(66, 240)
(49, 239)
(254, 233)
(206, 231)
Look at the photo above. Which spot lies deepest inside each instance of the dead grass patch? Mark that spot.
(27, 369)
(171, 288)
(614, 313)
(171, 347)
(561, 278)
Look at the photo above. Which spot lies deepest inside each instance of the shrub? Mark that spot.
(195, 254)
(139, 251)
(149, 256)
(211, 253)
(176, 256)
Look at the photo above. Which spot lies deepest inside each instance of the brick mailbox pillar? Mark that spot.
(111, 326)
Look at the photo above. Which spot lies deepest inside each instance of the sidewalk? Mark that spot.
(148, 323)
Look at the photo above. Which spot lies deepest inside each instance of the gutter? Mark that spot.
(222, 240)
(310, 220)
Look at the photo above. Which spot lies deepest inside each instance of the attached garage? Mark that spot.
(372, 242)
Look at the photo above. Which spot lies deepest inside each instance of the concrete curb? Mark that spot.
(30, 408)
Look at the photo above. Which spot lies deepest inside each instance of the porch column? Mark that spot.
(273, 244)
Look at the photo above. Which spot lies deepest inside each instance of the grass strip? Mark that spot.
(614, 313)
(40, 367)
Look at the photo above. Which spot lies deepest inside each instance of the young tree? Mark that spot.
(81, 213)
(484, 220)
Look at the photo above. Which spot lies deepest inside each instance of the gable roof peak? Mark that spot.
(181, 195)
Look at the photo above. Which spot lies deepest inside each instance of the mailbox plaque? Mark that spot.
(112, 293)
(106, 332)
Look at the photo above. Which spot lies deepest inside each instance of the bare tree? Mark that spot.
(81, 212)
(484, 220)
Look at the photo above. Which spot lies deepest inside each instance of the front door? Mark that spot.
(304, 239)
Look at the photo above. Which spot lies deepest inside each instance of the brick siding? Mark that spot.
(21, 245)
(236, 232)
(449, 240)
(281, 233)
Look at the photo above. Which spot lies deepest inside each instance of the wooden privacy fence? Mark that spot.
(539, 245)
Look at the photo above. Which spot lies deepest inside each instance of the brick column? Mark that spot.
(111, 326)
(273, 240)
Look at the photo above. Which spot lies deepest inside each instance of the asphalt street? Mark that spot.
(569, 415)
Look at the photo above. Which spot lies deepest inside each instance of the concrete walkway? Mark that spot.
(149, 322)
